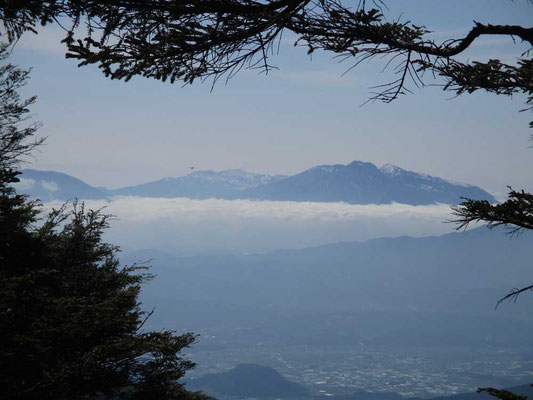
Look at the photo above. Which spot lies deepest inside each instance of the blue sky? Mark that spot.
(114, 134)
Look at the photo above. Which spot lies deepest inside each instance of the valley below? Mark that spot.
(377, 372)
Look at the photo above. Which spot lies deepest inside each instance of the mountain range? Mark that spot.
(354, 183)
(364, 183)
(201, 185)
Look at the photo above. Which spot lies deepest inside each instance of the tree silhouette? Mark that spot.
(197, 39)
(516, 213)
(70, 319)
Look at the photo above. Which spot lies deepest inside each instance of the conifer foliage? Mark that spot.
(71, 325)
(190, 40)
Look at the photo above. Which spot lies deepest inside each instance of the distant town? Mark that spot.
(420, 373)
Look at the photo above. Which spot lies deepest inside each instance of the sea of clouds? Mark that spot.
(194, 227)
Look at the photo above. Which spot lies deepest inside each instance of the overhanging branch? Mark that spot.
(513, 295)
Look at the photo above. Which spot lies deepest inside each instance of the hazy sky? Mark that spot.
(114, 134)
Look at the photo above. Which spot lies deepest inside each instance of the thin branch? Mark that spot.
(148, 315)
(513, 295)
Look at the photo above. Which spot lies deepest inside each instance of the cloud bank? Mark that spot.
(24, 184)
(27, 184)
(185, 226)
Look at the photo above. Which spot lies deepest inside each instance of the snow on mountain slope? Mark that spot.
(200, 185)
(355, 183)
(364, 183)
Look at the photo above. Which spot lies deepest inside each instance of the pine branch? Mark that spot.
(502, 394)
(513, 295)
(516, 212)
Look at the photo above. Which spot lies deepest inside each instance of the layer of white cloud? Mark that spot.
(49, 186)
(185, 226)
(24, 184)
(180, 208)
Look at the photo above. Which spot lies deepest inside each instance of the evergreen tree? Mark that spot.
(70, 319)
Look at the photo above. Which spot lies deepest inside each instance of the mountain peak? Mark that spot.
(344, 167)
(357, 163)
(362, 182)
(391, 169)
(249, 380)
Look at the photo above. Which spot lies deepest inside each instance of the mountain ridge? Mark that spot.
(402, 290)
(200, 184)
(355, 183)
(363, 183)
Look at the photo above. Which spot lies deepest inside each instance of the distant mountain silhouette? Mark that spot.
(355, 183)
(51, 185)
(364, 183)
(403, 291)
(201, 185)
(248, 380)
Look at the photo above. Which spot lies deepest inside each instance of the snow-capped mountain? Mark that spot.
(363, 183)
(200, 185)
(356, 183)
